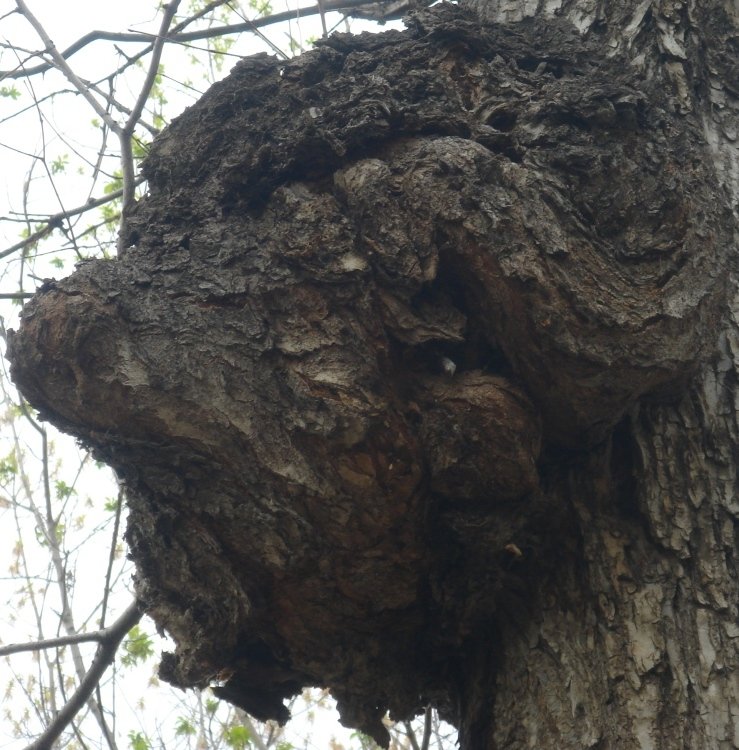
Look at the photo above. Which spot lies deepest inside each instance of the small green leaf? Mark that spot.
(59, 164)
(183, 727)
(237, 737)
(137, 647)
(63, 490)
(8, 467)
(58, 531)
(262, 7)
(138, 741)
(115, 184)
(111, 504)
(11, 92)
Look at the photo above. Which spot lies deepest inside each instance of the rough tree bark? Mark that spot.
(420, 370)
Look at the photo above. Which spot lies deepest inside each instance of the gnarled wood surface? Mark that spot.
(367, 365)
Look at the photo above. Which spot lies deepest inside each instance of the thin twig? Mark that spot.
(126, 134)
(426, 729)
(133, 59)
(64, 640)
(111, 557)
(49, 527)
(60, 62)
(122, 108)
(254, 736)
(209, 33)
(57, 220)
(411, 735)
(255, 30)
(322, 11)
(156, 56)
(104, 657)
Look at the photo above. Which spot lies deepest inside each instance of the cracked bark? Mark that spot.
(420, 372)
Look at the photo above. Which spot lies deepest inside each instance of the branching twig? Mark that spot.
(254, 736)
(411, 735)
(426, 729)
(111, 557)
(64, 640)
(255, 30)
(57, 220)
(395, 10)
(126, 134)
(322, 12)
(109, 642)
(60, 62)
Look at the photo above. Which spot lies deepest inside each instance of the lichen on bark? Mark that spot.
(372, 296)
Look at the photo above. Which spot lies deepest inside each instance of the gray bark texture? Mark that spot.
(420, 370)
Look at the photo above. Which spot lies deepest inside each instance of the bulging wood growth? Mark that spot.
(370, 368)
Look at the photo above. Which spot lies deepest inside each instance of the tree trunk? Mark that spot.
(420, 370)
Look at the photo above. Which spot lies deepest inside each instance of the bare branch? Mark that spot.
(65, 640)
(411, 735)
(111, 557)
(48, 525)
(57, 220)
(122, 108)
(379, 11)
(322, 12)
(156, 56)
(255, 30)
(254, 735)
(61, 63)
(426, 728)
(109, 641)
(129, 181)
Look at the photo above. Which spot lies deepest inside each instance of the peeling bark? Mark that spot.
(420, 371)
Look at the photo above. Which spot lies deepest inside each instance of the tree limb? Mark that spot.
(426, 729)
(127, 165)
(411, 735)
(254, 735)
(111, 558)
(56, 220)
(395, 10)
(61, 63)
(66, 640)
(110, 639)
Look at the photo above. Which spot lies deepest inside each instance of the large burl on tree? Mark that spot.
(399, 369)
